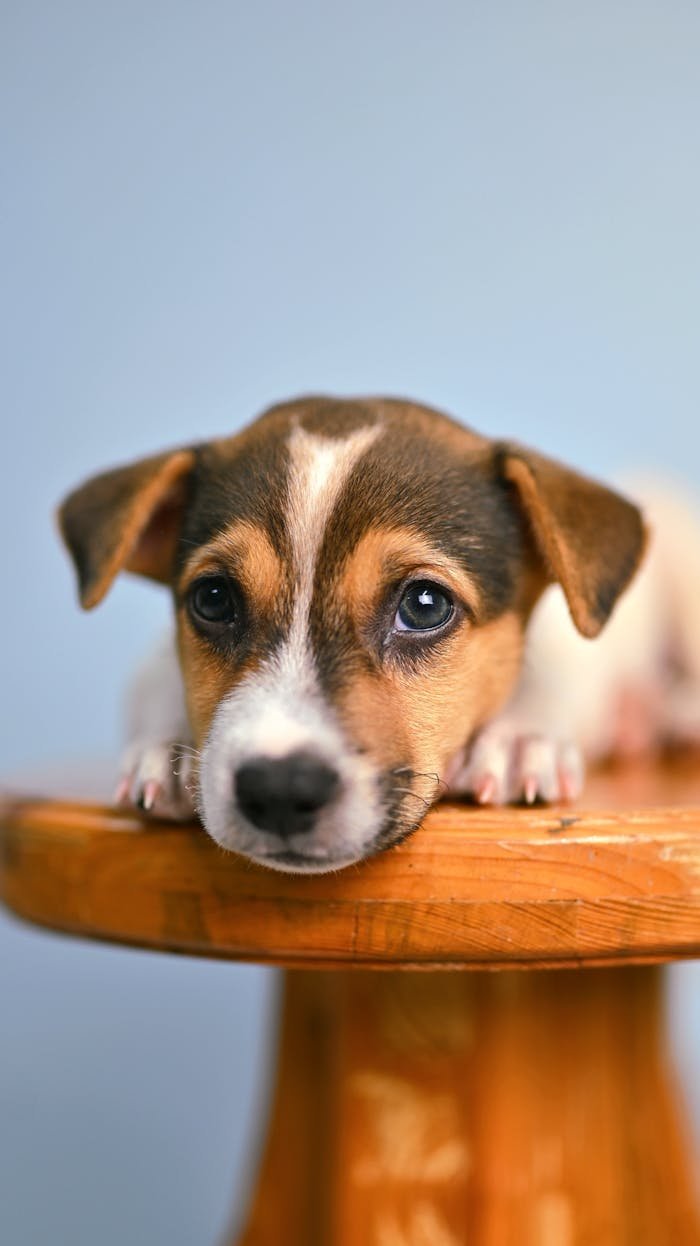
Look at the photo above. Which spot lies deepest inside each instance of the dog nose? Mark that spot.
(284, 794)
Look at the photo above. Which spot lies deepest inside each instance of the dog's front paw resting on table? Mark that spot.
(159, 778)
(158, 767)
(506, 765)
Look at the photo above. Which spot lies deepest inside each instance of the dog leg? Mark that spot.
(158, 765)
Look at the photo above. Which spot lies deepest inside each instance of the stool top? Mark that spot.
(614, 880)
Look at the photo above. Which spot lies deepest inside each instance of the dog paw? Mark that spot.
(505, 766)
(159, 779)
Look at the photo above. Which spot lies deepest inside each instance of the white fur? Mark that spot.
(319, 466)
(291, 718)
(157, 763)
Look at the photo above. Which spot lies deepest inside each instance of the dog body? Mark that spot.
(353, 583)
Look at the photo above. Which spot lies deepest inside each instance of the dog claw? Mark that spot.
(153, 782)
(486, 789)
(150, 794)
(507, 765)
(122, 791)
(530, 789)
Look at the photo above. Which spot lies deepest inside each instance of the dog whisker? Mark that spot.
(407, 791)
(421, 774)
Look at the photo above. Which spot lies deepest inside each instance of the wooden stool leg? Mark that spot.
(504, 1109)
(288, 1205)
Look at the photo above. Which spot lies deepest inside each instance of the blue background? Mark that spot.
(210, 206)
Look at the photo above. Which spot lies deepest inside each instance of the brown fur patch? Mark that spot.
(422, 716)
(385, 555)
(207, 676)
(435, 426)
(245, 551)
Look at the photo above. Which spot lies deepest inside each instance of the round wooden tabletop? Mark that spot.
(614, 880)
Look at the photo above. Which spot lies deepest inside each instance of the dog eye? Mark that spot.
(423, 607)
(211, 600)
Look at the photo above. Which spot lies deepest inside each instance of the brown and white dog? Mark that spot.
(352, 584)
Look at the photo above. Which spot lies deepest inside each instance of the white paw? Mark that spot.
(505, 765)
(159, 778)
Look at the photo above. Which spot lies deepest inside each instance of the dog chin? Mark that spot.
(294, 861)
(298, 863)
(290, 861)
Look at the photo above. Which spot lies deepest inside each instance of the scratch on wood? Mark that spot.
(563, 824)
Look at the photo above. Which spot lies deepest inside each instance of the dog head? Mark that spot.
(352, 581)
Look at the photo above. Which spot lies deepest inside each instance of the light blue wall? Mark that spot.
(209, 206)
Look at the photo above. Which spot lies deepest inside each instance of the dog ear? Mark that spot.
(590, 539)
(126, 519)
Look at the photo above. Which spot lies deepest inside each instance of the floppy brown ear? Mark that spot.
(127, 519)
(591, 539)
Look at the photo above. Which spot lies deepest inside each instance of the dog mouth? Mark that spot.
(394, 832)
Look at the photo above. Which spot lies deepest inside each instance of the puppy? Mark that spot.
(352, 583)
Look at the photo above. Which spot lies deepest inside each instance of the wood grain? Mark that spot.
(613, 881)
(491, 1109)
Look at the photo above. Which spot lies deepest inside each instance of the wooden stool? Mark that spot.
(417, 1107)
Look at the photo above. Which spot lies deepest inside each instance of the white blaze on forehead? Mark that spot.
(318, 469)
(279, 707)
